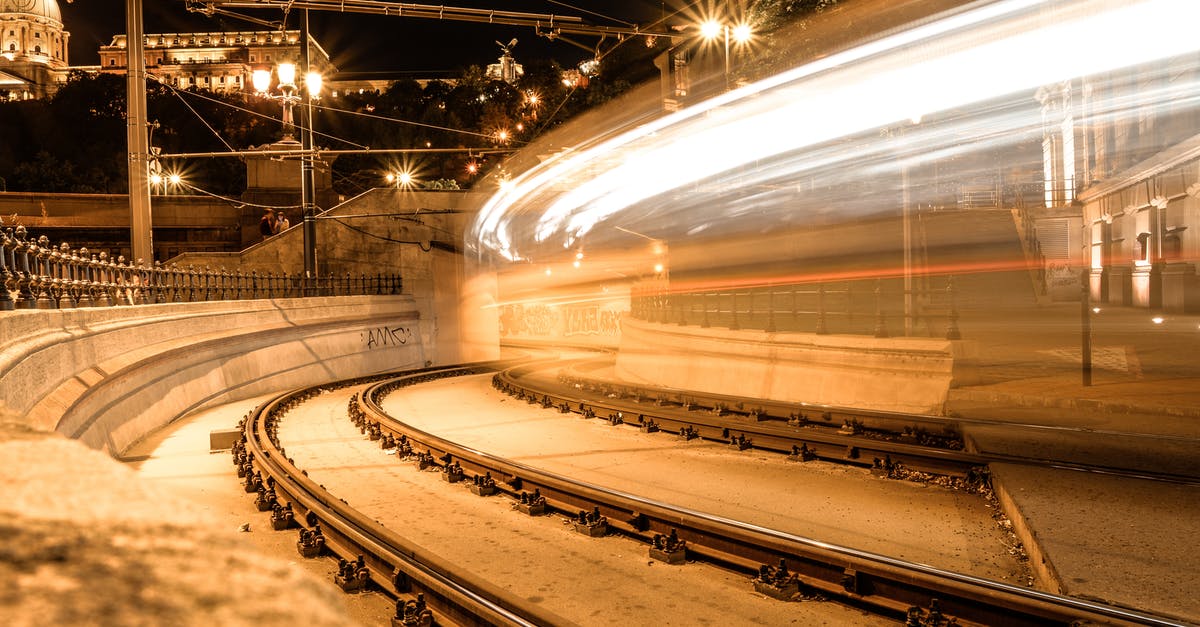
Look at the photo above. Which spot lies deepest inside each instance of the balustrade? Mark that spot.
(36, 275)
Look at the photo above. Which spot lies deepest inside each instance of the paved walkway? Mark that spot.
(1126, 541)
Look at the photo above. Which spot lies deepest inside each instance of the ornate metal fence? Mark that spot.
(36, 275)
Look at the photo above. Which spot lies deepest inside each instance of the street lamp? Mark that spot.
(289, 92)
(740, 33)
(400, 179)
(289, 96)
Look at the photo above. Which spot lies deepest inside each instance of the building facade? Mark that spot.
(217, 61)
(1122, 152)
(33, 49)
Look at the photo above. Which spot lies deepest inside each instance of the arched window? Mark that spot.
(37, 49)
(12, 47)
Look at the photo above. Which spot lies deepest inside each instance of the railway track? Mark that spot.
(781, 564)
(893, 444)
(427, 590)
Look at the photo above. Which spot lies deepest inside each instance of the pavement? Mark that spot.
(1120, 539)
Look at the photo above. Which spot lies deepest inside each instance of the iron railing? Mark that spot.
(36, 275)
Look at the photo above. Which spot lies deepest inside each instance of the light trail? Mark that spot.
(749, 158)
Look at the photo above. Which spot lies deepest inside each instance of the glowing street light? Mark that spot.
(289, 91)
(400, 179)
(741, 34)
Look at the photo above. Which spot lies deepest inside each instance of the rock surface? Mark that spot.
(83, 540)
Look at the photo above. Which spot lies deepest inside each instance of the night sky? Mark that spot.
(371, 42)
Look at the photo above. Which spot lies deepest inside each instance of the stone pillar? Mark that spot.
(1179, 287)
(1119, 286)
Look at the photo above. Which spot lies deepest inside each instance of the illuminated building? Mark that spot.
(216, 61)
(33, 48)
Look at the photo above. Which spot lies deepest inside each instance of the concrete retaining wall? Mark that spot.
(109, 376)
(897, 374)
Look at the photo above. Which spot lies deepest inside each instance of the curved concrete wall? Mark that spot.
(109, 376)
(896, 374)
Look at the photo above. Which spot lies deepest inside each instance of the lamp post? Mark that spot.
(740, 33)
(290, 94)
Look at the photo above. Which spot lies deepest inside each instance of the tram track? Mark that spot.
(877, 583)
(427, 589)
(894, 444)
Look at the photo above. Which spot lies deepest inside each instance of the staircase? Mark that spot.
(992, 264)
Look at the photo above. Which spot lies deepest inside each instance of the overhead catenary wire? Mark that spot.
(233, 201)
(244, 109)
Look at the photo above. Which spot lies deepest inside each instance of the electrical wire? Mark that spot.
(234, 201)
(582, 10)
(383, 237)
(197, 114)
(245, 110)
(399, 121)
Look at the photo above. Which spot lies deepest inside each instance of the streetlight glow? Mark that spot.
(313, 82)
(742, 33)
(710, 29)
(287, 74)
(156, 179)
(261, 80)
(174, 179)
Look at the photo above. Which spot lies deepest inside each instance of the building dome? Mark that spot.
(40, 8)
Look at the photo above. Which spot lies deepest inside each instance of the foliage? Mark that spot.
(75, 141)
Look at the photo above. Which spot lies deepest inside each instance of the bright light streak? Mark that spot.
(1004, 48)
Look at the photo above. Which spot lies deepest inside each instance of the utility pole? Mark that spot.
(140, 235)
(307, 185)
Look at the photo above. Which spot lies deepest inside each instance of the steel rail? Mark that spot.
(882, 584)
(761, 421)
(395, 564)
(768, 435)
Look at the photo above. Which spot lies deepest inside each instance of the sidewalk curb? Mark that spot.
(1092, 404)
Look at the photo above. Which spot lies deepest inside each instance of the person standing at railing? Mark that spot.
(266, 226)
(281, 222)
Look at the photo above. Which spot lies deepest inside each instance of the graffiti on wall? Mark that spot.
(386, 336)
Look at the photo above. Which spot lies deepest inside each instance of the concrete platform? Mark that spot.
(1124, 541)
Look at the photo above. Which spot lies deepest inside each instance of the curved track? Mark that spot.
(898, 445)
(888, 586)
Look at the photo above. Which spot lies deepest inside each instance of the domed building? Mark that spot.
(33, 48)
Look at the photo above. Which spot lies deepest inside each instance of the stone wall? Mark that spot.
(416, 234)
(109, 376)
(896, 374)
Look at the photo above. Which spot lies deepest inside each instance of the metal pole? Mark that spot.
(307, 186)
(1085, 324)
(908, 261)
(140, 236)
(726, 57)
